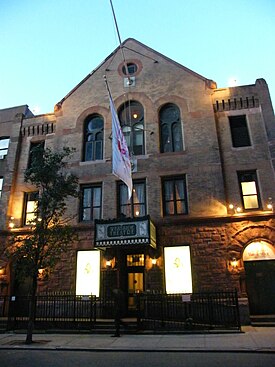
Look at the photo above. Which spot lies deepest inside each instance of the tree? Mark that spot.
(50, 231)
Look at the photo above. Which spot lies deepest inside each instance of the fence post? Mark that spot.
(138, 308)
(237, 310)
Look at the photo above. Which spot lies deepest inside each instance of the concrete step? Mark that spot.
(263, 320)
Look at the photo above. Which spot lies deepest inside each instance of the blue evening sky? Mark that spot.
(49, 46)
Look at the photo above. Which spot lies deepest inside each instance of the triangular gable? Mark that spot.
(209, 82)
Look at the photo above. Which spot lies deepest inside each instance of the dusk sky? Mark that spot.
(49, 46)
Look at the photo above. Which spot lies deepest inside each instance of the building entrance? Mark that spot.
(259, 264)
(135, 279)
(135, 285)
(260, 286)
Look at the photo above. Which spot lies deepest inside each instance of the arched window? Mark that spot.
(170, 129)
(93, 138)
(131, 117)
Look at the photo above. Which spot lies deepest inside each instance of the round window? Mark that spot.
(131, 68)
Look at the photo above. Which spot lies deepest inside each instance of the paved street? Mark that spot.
(32, 358)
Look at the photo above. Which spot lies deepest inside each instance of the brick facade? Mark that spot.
(214, 233)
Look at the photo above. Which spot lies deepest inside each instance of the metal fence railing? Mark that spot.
(53, 312)
(197, 311)
(153, 311)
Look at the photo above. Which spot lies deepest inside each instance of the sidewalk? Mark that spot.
(252, 339)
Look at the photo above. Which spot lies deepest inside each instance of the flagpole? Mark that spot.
(120, 44)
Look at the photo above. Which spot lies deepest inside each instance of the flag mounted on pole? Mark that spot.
(121, 164)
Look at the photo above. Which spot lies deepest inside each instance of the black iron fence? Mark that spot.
(197, 311)
(154, 311)
(67, 311)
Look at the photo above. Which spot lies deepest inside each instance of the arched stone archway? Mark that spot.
(253, 246)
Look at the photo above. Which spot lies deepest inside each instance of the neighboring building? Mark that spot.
(201, 216)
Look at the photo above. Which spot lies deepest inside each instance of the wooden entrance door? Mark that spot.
(135, 285)
(260, 286)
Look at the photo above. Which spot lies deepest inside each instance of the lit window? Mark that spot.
(174, 196)
(170, 129)
(239, 131)
(30, 208)
(136, 206)
(135, 260)
(93, 138)
(131, 117)
(91, 203)
(4, 146)
(249, 190)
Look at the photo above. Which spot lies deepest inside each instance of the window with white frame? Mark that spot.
(91, 202)
(249, 190)
(4, 146)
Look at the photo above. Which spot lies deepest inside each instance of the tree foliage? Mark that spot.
(50, 231)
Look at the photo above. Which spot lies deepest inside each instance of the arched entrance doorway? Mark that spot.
(259, 264)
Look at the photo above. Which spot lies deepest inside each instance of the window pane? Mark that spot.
(170, 126)
(89, 151)
(97, 213)
(4, 143)
(251, 202)
(98, 150)
(94, 126)
(174, 196)
(97, 196)
(136, 206)
(177, 138)
(239, 131)
(169, 208)
(91, 203)
(249, 188)
(168, 190)
(87, 196)
(86, 214)
(249, 191)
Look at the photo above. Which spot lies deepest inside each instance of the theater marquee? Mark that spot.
(137, 231)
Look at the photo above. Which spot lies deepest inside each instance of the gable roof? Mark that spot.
(209, 82)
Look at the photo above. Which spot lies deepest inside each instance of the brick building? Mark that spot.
(201, 216)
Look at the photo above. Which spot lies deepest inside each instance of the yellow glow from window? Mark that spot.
(251, 202)
(249, 188)
(259, 250)
(88, 273)
(178, 275)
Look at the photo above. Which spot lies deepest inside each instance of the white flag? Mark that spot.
(121, 158)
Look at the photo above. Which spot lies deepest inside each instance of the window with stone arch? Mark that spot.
(93, 138)
(170, 129)
(131, 117)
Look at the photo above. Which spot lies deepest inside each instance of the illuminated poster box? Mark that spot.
(88, 273)
(178, 275)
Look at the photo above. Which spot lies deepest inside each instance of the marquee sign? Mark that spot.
(129, 231)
